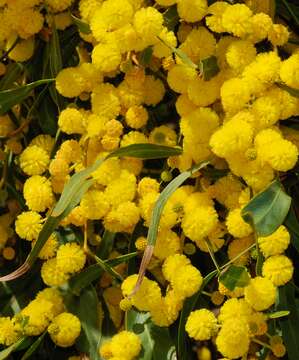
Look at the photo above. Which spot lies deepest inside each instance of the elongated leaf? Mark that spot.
(86, 308)
(146, 56)
(13, 72)
(82, 25)
(109, 269)
(163, 198)
(6, 352)
(291, 91)
(33, 347)
(235, 276)
(11, 97)
(146, 151)
(85, 278)
(156, 341)
(106, 245)
(121, 259)
(278, 314)
(55, 58)
(289, 325)
(292, 224)
(268, 209)
(189, 305)
(171, 17)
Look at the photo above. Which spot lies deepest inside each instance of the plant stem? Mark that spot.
(257, 341)
(237, 257)
(211, 252)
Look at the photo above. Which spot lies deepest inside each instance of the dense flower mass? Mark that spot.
(156, 135)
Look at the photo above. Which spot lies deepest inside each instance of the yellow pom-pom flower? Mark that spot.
(239, 54)
(70, 82)
(8, 331)
(94, 204)
(106, 57)
(136, 117)
(260, 293)
(49, 249)
(58, 5)
(53, 275)
(236, 20)
(192, 10)
(233, 308)
(28, 225)
(279, 269)
(236, 226)
(278, 35)
(276, 243)
(70, 258)
(65, 329)
(34, 160)
(232, 86)
(54, 296)
(123, 218)
(187, 282)
(148, 23)
(71, 121)
(201, 325)
(38, 193)
(289, 71)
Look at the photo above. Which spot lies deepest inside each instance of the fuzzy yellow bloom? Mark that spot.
(236, 226)
(49, 249)
(123, 218)
(105, 101)
(54, 296)
(124, 345)
(201, 324)
(8, 331)
(28, 225)
(233, 308)
(106, 57)
(136, 117)
(58, 5)
(52, 275)
(148, 23)
(154, 90)
(289, 71)
(279, 269)
(232, 86)
(65, 329)
(34, 160)
(214, 21)
(276, 243)
(239, 54)
(233, 338)
(70, 258)
(38, 193)
(238, 246)
(236, 20)
(179, 76)
(278, 35)
(192, 10)
(260, 293)
(94, 204)
(71, 121)
(147, 185)
(121, 189)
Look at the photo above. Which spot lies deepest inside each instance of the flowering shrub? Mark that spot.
(149, 184)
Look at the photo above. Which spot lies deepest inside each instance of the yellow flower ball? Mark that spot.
(233, 308)
(279, 269)
(239, 54)
(154, 90)
(55, 298)
(52, 275)
(34, 160)
(233, 338)
(106, 57)
(187, 281)
(58, 5)
(123, 218)
(289, 71)
(230, 87)
(125, 345)
(201, 324)
(71, 121)
(28, 225)
(70, 82)
(179, 76)
(236, 226)
(136, 117)
(260, 293)
(65, 329)
(276, 243)
(49, 249)
(278, 35)
(70, 258)
(38, 193)
(236, 20)
(105, 101)
(23, 51)
(192, 10)
(8, 331)
(94, 204)
(148, 23)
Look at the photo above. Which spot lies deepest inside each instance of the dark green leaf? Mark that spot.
(6, 352)
(106, 245)
(34, 347)
(292, 224)
(11, 97)
(171, 18)
(291, 91)
(146, 56)
(55, 59)
(47, 116)
(82, 25)
(13, 72)
(86, 307)
(209, 67)
(289, 325)
(156, 341)
(146, 151)
(268, 209)
(85, 278)
(163, 198)
(235, 276)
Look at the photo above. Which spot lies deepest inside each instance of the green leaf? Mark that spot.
(106, 245)
(156, 341)
(146, 56)
(171, 17)
(34, 347)
(55, 59)
(13, 72)
(6, 352)
(189, 305)
(47, 116)
(209, 67)
(292, 224)
(278, 314)
(235, 276)
(268, 209)
(121, 259)
(86, 307)
(163, 198)
(289, 325)
(85, 278)
(146, 151)
(291, 91)
(82, 25)
(11, 97)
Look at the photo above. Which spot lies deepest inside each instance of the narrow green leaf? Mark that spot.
(171, 17)
(209, 67)
(6, 352)
(106, 245)
(163, 198)
(83, 279)
(13, 72)
(82, 25)
(108, 268)
(292, 224)
(278, 314)
(55, 58)
(146, 56)
(11, 97)
(146, 151)
(291, 91)
(34, 347)
(156, 341)
(86, 308)
(268, 209)
(289, 325)
(235, 276)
